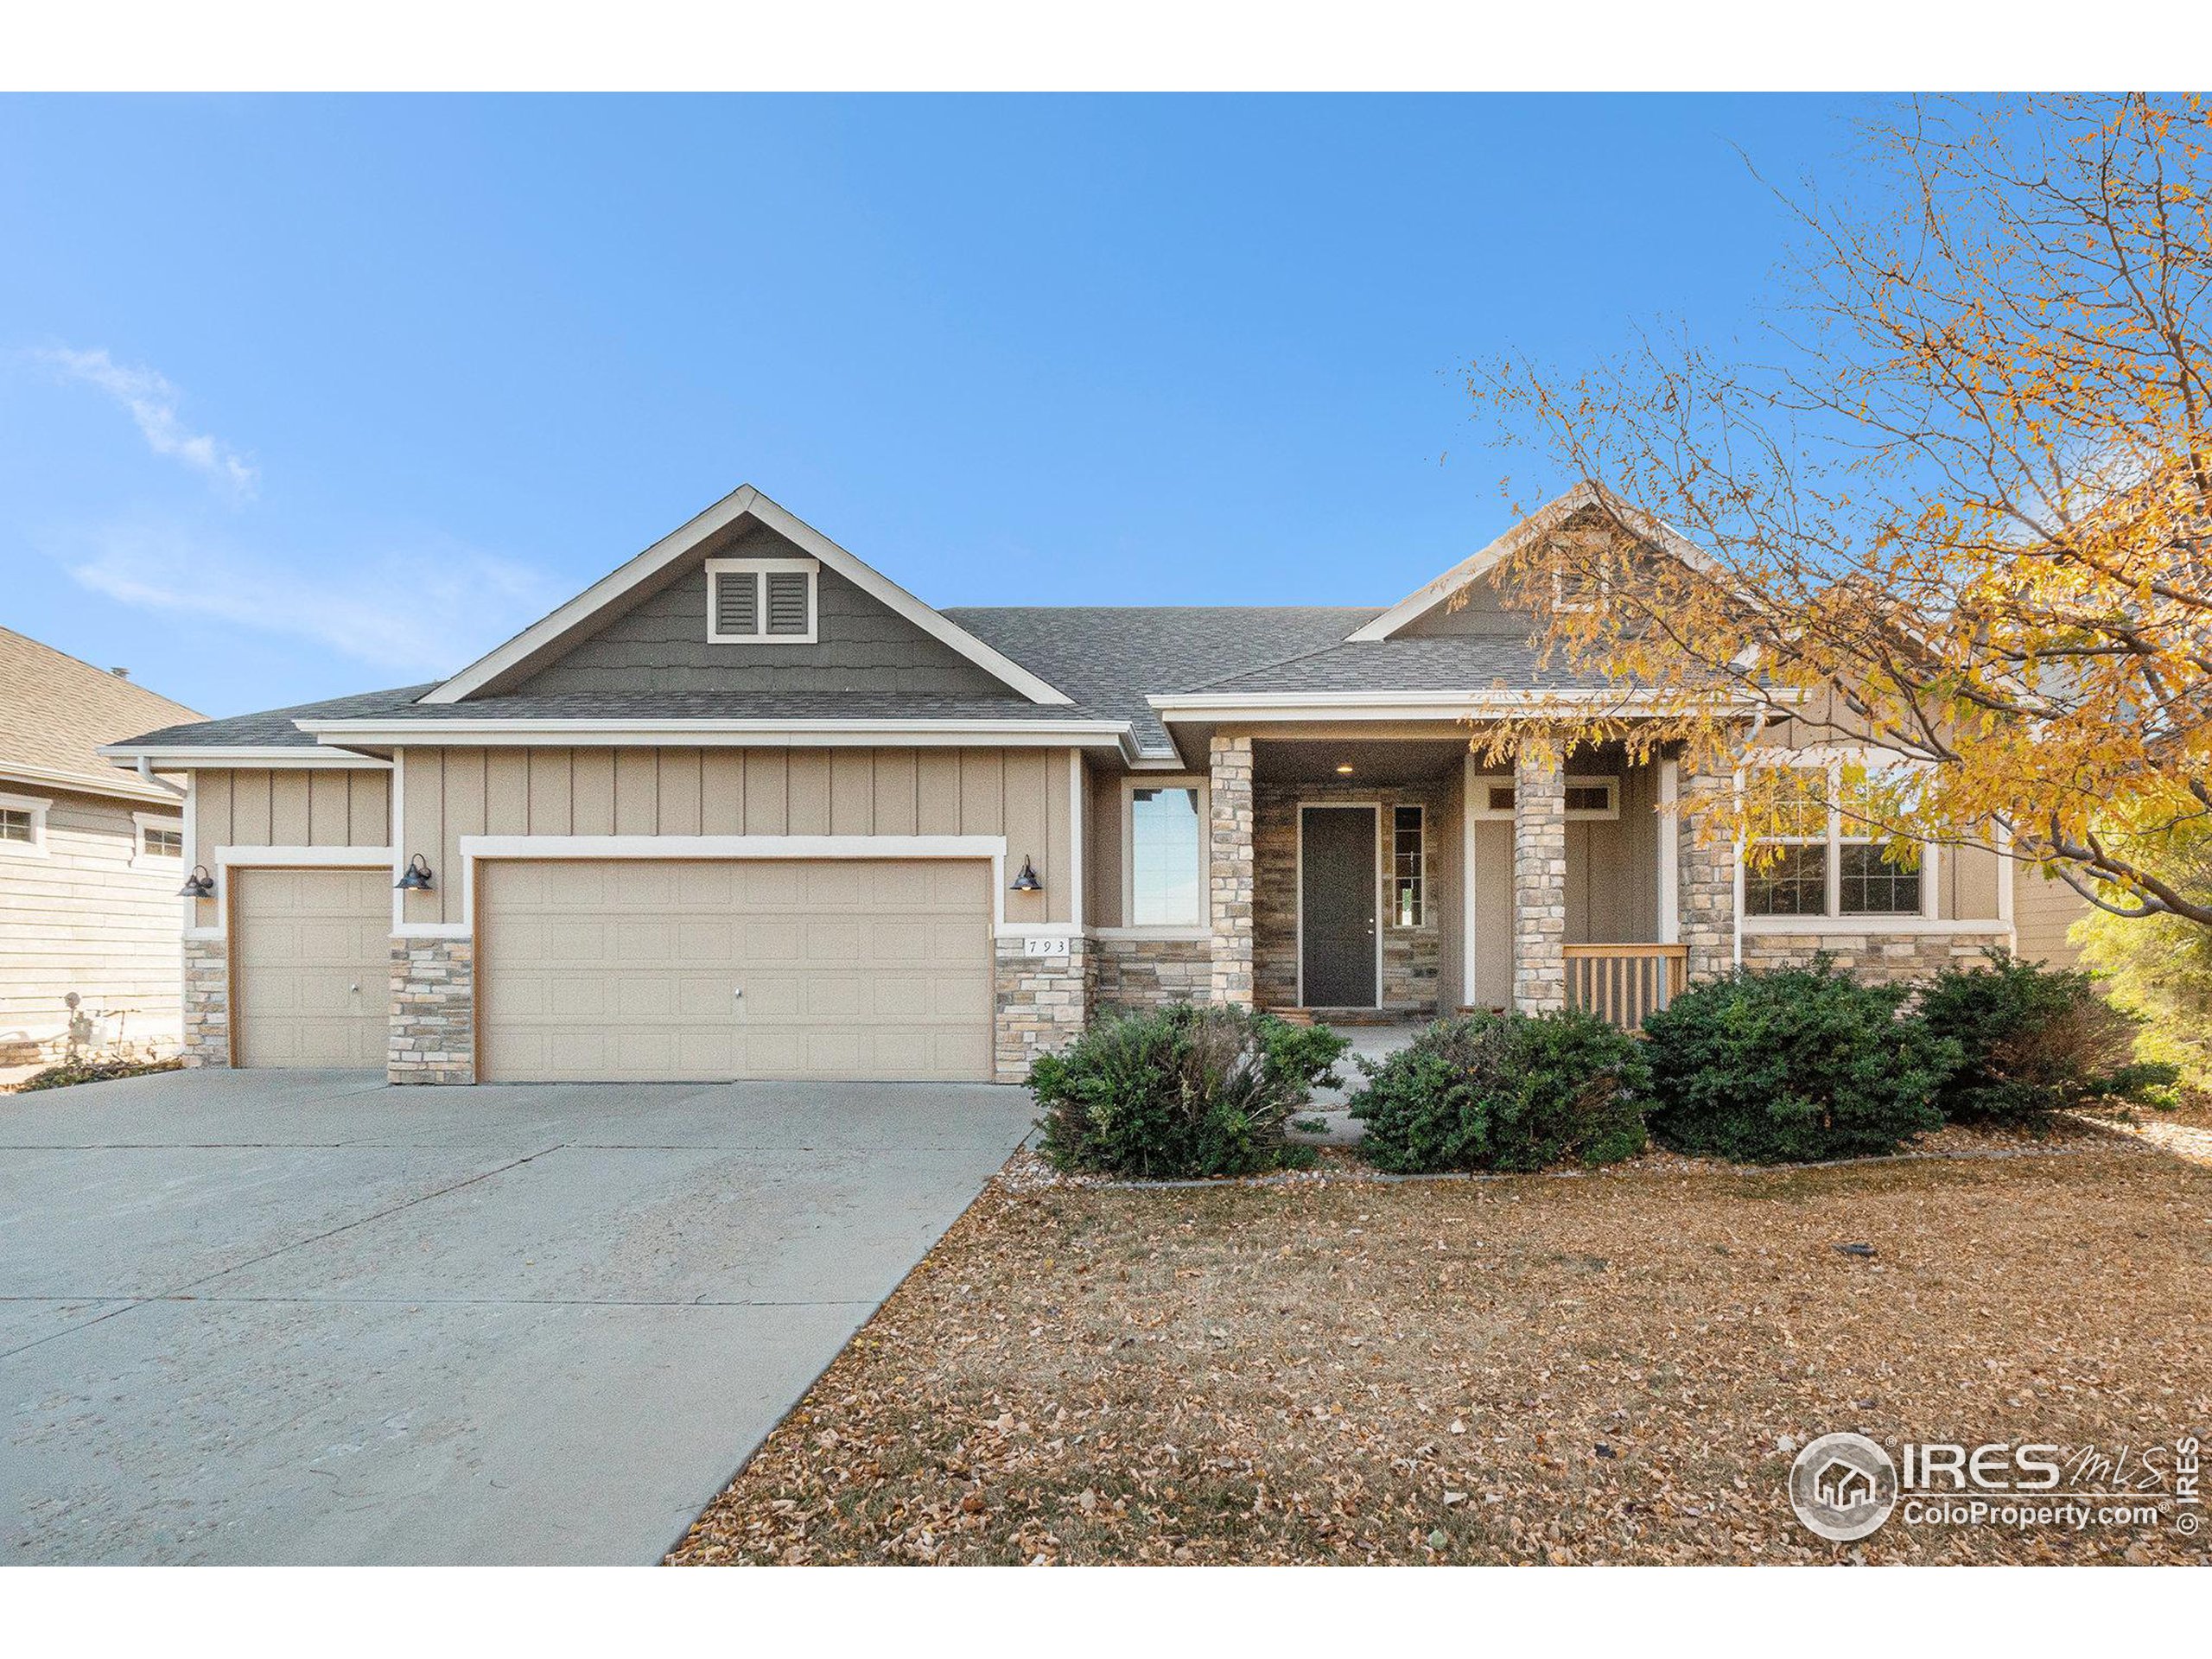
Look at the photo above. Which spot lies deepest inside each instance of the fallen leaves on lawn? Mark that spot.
(1616, 1368)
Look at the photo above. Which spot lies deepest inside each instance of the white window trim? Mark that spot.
(1202, 785)
(1484, 813)
(160, 862)
(1423, 919)
(717, 569)
(38, 806)
(1830, 760)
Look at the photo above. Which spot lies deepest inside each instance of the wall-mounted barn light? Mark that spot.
(1027, 881)
(198, 885)
(417, 877)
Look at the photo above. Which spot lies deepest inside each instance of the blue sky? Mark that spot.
(301, 396)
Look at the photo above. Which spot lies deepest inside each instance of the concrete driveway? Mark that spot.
(301, 1317)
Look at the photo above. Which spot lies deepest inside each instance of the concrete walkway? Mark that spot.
(287, 1317)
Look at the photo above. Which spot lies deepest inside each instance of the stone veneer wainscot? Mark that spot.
(1040, 1004)
(433, 1011)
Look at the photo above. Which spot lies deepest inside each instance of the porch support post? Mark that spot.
(1705, 895)
(1228, 867)
(1539, 881)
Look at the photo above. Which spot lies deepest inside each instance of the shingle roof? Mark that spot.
(1436, 663)
(273, 727)
(1109, 658)
(59, 710)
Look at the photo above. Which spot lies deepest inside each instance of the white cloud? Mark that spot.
(151, 401)
(420, 613)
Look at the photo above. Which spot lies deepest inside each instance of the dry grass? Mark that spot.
(1598, 1369)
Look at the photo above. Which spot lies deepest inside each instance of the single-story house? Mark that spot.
(89, 860)
(746, 807)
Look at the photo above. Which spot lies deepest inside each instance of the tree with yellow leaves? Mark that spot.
(1961, 512)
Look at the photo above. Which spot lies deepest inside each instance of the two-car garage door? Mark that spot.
(653, 968)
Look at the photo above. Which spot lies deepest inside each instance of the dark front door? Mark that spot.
(1336, 901)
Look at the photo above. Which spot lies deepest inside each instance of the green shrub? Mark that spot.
(1504, 1092)
(1182, 1091)
(2034, 1040)
(1793, 1066)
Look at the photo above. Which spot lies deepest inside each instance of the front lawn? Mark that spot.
(1611, 1367)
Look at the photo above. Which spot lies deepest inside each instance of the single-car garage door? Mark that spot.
(311, 967)
(637, 970)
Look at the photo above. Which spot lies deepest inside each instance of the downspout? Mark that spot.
(146, 770)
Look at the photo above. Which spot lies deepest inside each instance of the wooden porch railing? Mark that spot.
(1623, 984)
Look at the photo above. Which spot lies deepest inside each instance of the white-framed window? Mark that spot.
(1587, 798)
(161, 842)
(1163, 835)
(1408, 866)
(1818, 859)
(22, 825)
(762, 601)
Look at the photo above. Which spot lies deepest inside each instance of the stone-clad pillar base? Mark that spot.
(207, 1002)
(433, 1011)
(1706, 895)
(1229, 869)
(1539, 881)
(1042, 1004)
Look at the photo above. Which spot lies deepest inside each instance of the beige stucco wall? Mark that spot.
(285, 807)
(1022, 794)
(78, 918)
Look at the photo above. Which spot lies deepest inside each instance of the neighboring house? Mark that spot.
(91, 859)
(748, 808)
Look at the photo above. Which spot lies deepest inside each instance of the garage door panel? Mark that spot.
(854, 969)
(311, 966)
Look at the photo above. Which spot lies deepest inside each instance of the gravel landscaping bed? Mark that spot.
(1612, 1368)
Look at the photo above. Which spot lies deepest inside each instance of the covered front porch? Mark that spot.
(1365, 878)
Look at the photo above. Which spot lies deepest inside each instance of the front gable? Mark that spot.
(1467, 600)
(746, 598)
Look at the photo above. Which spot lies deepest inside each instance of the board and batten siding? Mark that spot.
(79, 916)
(1022, 794)
(2042, 911)
(285, 807)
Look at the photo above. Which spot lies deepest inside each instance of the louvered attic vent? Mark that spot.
(761, 601)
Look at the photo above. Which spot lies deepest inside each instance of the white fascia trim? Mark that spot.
(474, 848)
(726, 734)
(225, 757)
(1160, 935)
(126, 784)
(1541, 522)
(1809, 927)
(299, 858)
(1395, 705)
(738, 503)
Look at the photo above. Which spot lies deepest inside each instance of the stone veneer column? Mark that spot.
(433, 1011)
(1539, 882)
(1706, 898)
(1229, 868)
(207, 1002)
(1042, 1002)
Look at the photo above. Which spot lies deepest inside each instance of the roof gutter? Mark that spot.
(186, 757)
(140, 786)
(719, 733)
(1263, 706)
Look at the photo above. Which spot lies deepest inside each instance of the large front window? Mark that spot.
(1816, 855)
(1165, 867)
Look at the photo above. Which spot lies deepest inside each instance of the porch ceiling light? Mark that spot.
(1027, 881)
(416, 878)
(1344, 770)
(198, 885)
